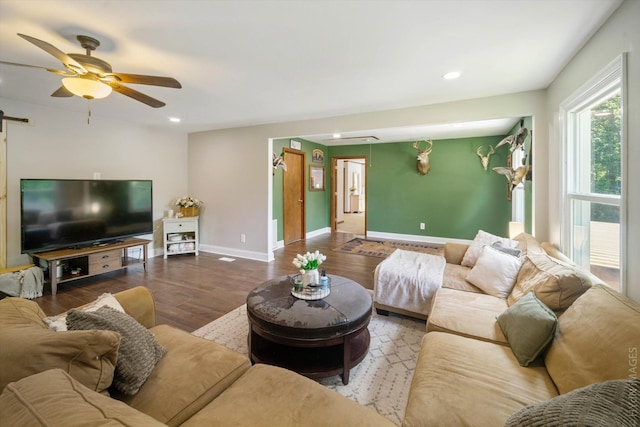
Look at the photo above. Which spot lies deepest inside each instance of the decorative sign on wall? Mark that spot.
(296, 145)
(317, 156)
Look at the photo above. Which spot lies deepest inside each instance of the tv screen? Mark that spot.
(59, 213)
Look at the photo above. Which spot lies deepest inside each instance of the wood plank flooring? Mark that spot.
(192, 291)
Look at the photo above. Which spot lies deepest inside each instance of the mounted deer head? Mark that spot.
(484, 159)
(424, 165)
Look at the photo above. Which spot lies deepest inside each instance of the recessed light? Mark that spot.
(451, 75)
(174, 119)
(336, 135)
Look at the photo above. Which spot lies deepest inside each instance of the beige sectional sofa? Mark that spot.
(467, 373)
(65, 378)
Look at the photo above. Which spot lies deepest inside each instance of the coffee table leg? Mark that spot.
(346, 359)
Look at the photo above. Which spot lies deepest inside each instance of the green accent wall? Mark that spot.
(456, 199)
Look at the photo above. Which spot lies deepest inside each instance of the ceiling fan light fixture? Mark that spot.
(86, 88)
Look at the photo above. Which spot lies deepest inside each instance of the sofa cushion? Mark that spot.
(529, 326)
(299, 401)
(466, 382)
(528, 244)
(598, 340)
(556, 283)
(138, 353)
(611, 403)
(455, 277)
(198, 368)
(88, 356)
(495, 272)
(482, 239)
(468, 314)
(53, 398)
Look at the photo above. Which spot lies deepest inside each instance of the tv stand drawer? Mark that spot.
(105, 261)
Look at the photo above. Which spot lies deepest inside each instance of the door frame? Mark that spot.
(334, 190)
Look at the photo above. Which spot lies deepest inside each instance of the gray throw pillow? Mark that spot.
(506, 249)
(138, 352)
(529, 327)
(610, 403)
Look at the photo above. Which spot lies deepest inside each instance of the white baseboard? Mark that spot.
(257, 256)
(415, 238)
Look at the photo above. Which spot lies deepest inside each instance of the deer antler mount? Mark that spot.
(424, 165)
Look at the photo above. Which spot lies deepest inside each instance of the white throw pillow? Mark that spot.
(483, 238)
(59, 322)
(495, 272)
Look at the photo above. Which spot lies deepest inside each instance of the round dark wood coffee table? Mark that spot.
(318, 338)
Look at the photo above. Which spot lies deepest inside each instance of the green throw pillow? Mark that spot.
(138, 352)
(529, 327)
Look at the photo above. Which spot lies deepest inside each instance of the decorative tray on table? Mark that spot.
(310, 292)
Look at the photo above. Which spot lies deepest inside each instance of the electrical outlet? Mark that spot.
(243, 238)
(422, 226)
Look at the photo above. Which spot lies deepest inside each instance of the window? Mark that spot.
(593, 193)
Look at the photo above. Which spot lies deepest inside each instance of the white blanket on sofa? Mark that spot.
(26, 283)
(408, 280)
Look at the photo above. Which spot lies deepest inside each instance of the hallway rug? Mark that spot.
(381, 381)
(382, 248)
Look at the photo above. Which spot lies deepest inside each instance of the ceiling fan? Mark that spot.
(92, 78)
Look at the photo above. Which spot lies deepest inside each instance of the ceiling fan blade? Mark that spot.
(138, 96)
(62, 92)
(70, 63)
(51, 70)
(144, 80)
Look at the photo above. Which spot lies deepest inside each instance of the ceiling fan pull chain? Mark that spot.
(88, 111)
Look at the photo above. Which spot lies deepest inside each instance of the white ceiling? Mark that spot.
(260, 61)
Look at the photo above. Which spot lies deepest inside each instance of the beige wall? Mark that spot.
(60, 144)
(621, 33)
(230, 169)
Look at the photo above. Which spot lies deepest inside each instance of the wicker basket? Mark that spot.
(190, 211)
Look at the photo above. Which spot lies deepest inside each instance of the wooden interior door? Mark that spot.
(293, 196)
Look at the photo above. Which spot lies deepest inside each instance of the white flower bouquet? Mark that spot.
(189, 202)
(309, 261)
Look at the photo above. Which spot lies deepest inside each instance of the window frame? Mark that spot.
(608, 80)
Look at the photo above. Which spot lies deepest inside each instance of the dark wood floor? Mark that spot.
(192, 291)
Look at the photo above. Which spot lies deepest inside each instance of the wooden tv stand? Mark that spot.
(87, 262)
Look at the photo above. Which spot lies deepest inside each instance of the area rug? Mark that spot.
(381, 381)
(382, 248)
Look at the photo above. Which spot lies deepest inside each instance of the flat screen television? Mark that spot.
(62, 213)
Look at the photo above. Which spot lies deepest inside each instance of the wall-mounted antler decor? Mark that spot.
(484, 159)
(424, 165)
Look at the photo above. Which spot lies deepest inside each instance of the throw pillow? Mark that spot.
(506, 249)
(610, 403)
(495, 272)
(59, 322)
(139, 351)
(483, 238)
(529, 327)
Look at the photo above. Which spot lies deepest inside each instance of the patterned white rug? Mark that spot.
(381, 381)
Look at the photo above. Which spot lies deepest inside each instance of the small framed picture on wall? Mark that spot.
(317, 156)
(316, 178)
(296, 145)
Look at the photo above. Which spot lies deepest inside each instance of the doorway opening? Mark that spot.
(349, 201)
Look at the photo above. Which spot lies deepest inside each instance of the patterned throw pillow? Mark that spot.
(138, 353)
(609, 403)
(483, 239)
(59, 322)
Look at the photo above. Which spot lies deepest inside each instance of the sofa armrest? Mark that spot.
(138, 303)
(454, 252)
